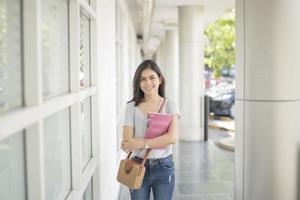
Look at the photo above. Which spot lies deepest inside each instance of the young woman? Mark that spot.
(148, 93)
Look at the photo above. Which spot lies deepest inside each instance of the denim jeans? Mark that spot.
(160, 177)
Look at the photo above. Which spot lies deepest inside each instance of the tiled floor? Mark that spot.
(203, 171)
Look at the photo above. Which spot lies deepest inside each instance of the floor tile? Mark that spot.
(203, 171)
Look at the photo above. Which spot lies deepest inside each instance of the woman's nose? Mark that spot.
(148, 81)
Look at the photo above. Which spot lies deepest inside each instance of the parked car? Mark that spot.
(223, 104)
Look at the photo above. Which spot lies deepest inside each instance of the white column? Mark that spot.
(191, 72)
(171, 70)
(268, 100)
(160, 55)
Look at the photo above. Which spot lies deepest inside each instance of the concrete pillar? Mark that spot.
(268, 100)
(171, 70)
(191, 72)
(160, 55)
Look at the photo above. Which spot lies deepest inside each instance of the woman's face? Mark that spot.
(149, 82)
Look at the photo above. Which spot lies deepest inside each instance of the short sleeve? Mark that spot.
(171, 108)
(129, 115)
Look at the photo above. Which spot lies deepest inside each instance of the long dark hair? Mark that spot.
(138, 94)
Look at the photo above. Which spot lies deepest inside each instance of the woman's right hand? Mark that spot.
(132, 144)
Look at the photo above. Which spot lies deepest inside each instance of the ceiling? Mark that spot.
(165, 16)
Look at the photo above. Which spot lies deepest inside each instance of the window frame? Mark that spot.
(35, 109)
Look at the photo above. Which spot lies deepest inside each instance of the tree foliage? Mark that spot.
(220, 43)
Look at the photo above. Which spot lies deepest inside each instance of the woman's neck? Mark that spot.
(152, 98)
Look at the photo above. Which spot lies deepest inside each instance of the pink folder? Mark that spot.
(157, 124)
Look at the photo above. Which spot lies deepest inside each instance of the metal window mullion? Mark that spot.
(88, 173)
(94, 109)
(35, 177)
(76, 146)
(34, 152)
(74, 195)
(94, 83)
(74, 37)
(86, 178)
(95, 143)
(29, 115)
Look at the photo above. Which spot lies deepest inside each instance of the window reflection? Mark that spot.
(57, 155)
(10, 55)
(55, 53)
(88, 193)
(84, 74)
(12, 168)
(86, 138)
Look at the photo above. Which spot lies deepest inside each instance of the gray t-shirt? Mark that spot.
(135, 118)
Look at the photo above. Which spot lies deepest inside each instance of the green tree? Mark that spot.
(220, 43)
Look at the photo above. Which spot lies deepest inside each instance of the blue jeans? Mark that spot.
(160, 177)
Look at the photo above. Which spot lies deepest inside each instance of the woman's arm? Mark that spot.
(129, 143)
(138, 143)
(127, 135)
(127, 132)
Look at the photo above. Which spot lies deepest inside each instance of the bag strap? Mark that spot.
(161, 105)
(145, 157)
(129, 154)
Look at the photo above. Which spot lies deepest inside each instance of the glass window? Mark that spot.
(86, 137)
(12, 169)
(88, 193)
(57, 155)
(55, 45)
(84, 74)
(10, 55)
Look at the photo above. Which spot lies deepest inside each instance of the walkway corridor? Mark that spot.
(203, 172)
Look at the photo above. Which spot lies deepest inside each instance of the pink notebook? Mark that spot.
(157, 124)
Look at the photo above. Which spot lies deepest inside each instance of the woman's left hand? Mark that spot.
(131, 144)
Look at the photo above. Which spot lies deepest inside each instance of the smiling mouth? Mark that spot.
(149, 88)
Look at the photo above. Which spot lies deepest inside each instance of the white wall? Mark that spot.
(108, 117)
(107, 100)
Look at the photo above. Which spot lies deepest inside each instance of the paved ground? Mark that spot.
(226, 124)
(203, 171)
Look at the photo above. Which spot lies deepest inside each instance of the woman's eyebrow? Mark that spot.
(152, 75)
